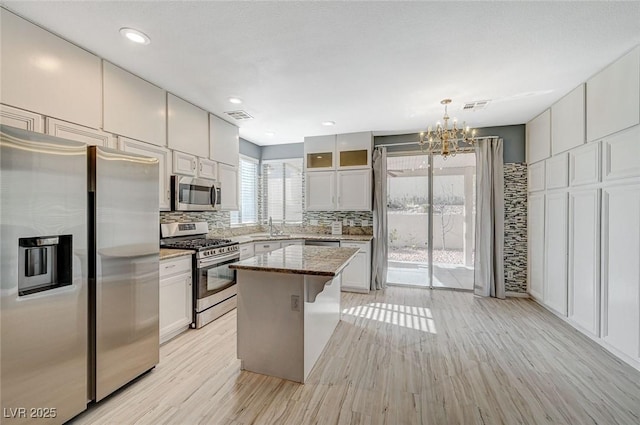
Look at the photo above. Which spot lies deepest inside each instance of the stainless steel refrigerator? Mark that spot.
(78, 274)
(123, 267)
(43, 277)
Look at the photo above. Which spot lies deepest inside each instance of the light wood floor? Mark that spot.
(399, 356)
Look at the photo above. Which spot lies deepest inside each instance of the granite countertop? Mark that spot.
(299, 259)
(261, 237)
(172, 253)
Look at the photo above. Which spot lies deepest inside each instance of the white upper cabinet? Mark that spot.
(613, 97)
(536, 176)
(18, 118)
(133, 107)
(79, 133)
(224, 141)
(354, 190)
(163, 155)
(228, 178)
(567, 121)
(320, 153)
(557, 172)
(207, 169)
(584, 164)
(539, 137)
(187, 127)
(45, 74)
(184, 164)
(621, 155)
(320, 193)
(353, 150)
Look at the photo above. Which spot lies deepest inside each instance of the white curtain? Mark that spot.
(489, 253)
(379, 263)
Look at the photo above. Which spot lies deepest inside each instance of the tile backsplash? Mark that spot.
(515, 227)
(220, 222)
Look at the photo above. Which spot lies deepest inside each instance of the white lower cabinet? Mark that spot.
(356, 277)
(536, 246)
(584, 260)
(620, 269)
(555, 282)
(246, 251)
(176, 297)
(262, 247)
(163, 155)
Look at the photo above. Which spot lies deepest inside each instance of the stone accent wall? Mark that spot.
(515, 227)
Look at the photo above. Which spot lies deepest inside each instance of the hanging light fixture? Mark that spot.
(444, 140)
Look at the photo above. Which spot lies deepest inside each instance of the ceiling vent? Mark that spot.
(239, 115)
(475, 106)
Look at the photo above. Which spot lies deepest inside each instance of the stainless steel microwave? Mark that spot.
(194, 194)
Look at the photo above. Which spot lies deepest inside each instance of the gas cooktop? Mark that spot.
(198, 243)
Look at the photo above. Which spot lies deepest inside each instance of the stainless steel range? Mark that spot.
(214, 283)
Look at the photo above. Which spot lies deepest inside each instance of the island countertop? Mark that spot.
(300, 259)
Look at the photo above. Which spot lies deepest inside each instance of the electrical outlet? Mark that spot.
(365, 223)
(295, 302)
(345, 222)
(352, 222)
(509, 274)
(313, 222)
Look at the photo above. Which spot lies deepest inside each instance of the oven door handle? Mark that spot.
(209, 262)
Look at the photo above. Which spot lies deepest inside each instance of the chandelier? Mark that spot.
(444, 140)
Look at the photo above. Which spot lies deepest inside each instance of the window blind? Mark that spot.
(283, 190)
(248, 191)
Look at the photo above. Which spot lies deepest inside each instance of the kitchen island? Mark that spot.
(288, 307)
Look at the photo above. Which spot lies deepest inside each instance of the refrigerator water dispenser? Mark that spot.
(44, 263)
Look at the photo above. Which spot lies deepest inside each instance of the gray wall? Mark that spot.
(513, 136)
(250, 149)
(290, 150)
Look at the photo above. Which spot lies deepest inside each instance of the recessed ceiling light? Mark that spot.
(135, 36)
(235, 100)
(270, 133)
(328, 123)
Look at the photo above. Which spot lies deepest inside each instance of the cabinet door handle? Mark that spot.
(168, 194)
(201, 167)
(193, 164)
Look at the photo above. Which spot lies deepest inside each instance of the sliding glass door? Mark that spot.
(431, 216)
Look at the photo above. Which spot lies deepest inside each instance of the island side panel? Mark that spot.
(270, 327)
(321, 316)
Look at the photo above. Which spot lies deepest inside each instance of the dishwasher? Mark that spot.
(322, 243)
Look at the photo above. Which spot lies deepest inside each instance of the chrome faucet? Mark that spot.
(276, 232)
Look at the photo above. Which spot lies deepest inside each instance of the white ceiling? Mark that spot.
(381, 66)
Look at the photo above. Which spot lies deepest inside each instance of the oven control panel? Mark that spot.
(220, 251)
